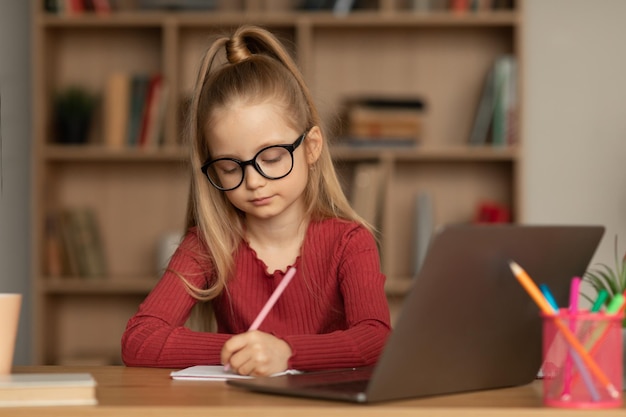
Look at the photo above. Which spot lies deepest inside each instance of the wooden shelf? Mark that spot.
(97, 286)
(373, 19)
(140, 195)
(67, 153)
(418, 153)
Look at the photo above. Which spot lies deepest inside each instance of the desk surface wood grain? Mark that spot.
(151, 392)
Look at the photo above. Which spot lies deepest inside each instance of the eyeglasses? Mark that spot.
(272, 162)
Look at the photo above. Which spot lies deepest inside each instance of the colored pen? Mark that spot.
(600, 299)
(545, 290)
(270, 303)
(571, 355)
(545, 307)
(616, 306)
(574, 291)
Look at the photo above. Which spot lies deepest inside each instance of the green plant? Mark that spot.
(74, 107)
(612, 280)
(76, 100)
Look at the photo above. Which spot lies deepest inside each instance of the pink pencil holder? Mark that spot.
(570, 379)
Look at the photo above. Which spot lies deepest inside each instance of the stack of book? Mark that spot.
(461, 6)
(384, 122)
(74, 245)
(134, 109)
(47, 389)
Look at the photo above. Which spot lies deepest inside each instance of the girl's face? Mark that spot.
(240, 132)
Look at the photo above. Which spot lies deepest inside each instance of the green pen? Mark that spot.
(602, 296)
(602, 328)
(616, 304)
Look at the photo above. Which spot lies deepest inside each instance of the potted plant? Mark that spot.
(613, 281)
(73, 108)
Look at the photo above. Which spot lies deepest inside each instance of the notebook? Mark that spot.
(466, 323)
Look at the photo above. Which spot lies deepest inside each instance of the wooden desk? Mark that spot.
(150, 392)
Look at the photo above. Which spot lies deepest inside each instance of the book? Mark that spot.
(68, 243)
(385, 119)
(366, 192)
(496, 113)
(82, 245)
(91, 255)
(43, 389)
(505, 97)
(459, 6)
(53, 249)
(511, 103)
(484, 113)
(154, 84)
(102, 6)
(342, 7)
(424, 227)
(116, 109)
(151, 136)
(215, 373)
(139, 85)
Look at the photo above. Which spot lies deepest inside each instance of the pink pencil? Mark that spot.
(270, 303)
(272, 300)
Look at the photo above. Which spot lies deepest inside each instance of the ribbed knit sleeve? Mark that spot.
(155, 336)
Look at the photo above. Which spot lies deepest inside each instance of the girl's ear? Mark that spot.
(313, 144)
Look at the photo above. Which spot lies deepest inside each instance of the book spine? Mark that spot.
(366, 191)
(70, 245)
(91, 259)
(139, 88)
(54, 246)
(503, 74)
(153, 117)
(116, 110)
(484, 114)
(424, 226)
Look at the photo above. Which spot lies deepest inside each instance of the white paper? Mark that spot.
(214, 373)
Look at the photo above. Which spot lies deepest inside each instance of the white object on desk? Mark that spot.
(214, 373)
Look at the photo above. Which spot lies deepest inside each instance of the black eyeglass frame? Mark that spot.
(289, 147)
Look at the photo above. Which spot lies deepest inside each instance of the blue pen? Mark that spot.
(549, 297)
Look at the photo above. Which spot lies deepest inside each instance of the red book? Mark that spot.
(101, 6)
(148, 107)
(459, 5)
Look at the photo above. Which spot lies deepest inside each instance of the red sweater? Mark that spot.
(333, 314)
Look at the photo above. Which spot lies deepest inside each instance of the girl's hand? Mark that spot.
(256, 353)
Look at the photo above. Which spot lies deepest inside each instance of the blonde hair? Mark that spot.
(255, 68)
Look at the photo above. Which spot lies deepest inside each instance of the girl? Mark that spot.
(264, 198)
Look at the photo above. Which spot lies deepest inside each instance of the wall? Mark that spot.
(575, 116)
(16, 138)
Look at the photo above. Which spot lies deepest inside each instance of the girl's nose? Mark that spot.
(253, 178)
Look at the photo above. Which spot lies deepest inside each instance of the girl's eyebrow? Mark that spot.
(263, 145)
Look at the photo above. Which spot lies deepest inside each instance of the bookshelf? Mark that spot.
(140, 195)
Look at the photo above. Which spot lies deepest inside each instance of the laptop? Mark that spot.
(466, 323)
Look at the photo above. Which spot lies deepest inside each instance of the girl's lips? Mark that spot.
(261, 201)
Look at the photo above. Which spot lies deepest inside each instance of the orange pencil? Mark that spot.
(536, 295)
